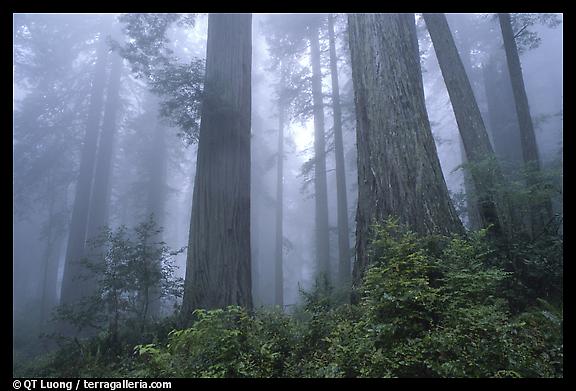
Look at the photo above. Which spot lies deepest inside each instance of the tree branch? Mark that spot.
(520, 31)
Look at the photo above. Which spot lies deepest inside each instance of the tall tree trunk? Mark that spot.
(399, 173)
(470, 124)
(320, 187)
(503, 127)
(474, 220)
(542, 211)
(156, 202)
(256, 258)
(279, 273)
(502, 122)
(343, 233)
(218, 262)
(255, 221)
(49, 258)
(55, 241)
(157, 179)
(72, 286)
(99, 203)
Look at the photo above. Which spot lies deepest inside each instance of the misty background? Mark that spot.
(53, 60)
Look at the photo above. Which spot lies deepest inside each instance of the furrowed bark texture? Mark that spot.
(399, 172)
(218, 262)
(72, 286)
(320, 187)
(541, 213)
(341, 198)
(470, 124)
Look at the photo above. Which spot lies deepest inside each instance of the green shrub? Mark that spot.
(430, 306)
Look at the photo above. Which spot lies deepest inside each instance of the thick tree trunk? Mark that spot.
(279, 273)
(341, 197)
(320, 187)
(72, 286)
(470, 124)
(218, 262)
(541, 213)
(399, 173)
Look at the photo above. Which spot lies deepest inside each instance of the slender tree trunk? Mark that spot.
(279, 273)
(49, 280)
(470, 124)
(145, 309)
(320, 187)
(157, 180)
(62, 245)
(399, 173)
(343, 232)
(55, 241)
(99, 203)
(255, 230)
(52, 256)
(504, 129)
(474, 220)
(256, 262)
(156, 200)
(541, 212)
(218, 262)
(72, 286)
(502, 122)
(116, 315)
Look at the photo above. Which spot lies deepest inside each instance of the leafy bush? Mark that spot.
(430, 306)
(132, 272)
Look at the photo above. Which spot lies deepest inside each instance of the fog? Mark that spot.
(153, 156)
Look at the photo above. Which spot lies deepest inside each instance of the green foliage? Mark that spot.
(131, 273)
(538, 266)
(179, 86)
(422, 299)
(529, 187)
(431, 306)
(223, 343)
(517, 193)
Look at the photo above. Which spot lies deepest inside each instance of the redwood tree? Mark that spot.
(218, 261)
(542, 211)
(399, 173)
(320, 186)
(341, 198)
(470, 123)
(73, 287)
